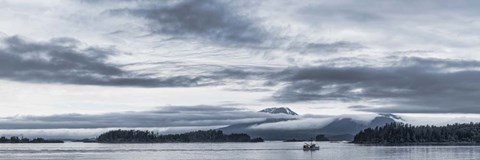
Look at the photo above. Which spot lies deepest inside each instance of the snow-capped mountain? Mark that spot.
(341, 128)
(278, 110)
(393, 117)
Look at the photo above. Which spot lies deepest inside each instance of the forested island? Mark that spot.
(139, 136)
(405, 134)
(15, 139)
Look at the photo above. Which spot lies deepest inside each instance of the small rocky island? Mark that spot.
(15, 139)
(405, 134)
(139, 136)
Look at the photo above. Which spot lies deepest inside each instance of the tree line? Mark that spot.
(400, 133)
(15, 139)
(139, 136)
(319, 137)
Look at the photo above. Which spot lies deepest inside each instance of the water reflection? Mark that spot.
(254, 151)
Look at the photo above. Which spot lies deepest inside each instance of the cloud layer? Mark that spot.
(216, 21)
(62, 60)
(411, 85)
(171, 116)
(419, 85)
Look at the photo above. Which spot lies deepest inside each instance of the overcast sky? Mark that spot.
(91, 63)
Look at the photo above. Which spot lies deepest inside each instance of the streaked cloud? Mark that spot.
(410, 84)
(216, 21)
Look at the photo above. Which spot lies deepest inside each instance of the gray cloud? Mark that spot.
(174, 116)
(334, 47)
(212, 20)
(357, 107)
(62, 61)
(363, 12)
(245, 73)
(412, 85)
(224, 23)
(397, 19)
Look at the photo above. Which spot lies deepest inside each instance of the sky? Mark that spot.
(93, 64)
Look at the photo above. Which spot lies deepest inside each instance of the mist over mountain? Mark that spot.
(335, 128)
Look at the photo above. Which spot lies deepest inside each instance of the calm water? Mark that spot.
(254, 151)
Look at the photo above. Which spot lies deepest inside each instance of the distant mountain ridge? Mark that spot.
(279, 110)
(340, 129)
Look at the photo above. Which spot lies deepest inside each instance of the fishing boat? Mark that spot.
(310, 147)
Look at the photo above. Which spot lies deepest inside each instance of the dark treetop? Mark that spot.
(399, 133)
(138, 136)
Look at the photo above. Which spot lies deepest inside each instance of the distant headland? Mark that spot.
(405, 134)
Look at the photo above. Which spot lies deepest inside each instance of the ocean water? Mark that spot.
(220, 151)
